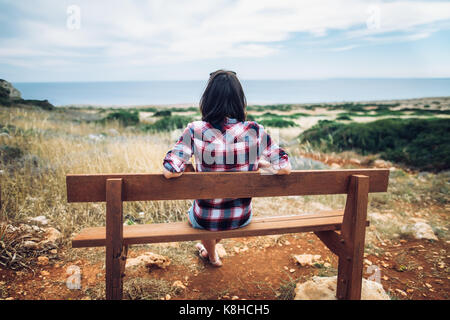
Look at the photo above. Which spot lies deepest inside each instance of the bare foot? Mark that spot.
(201, 250)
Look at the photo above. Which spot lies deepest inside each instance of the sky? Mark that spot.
(78, 40)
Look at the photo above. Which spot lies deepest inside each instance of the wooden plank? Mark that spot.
(334, 242)
(182, 231)
(209, 185)
(114, 239)
(350, 269)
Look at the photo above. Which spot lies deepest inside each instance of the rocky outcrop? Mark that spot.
(324, 288)
(8, 91)
(10, 96)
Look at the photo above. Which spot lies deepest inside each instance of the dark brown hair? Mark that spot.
(223, 97)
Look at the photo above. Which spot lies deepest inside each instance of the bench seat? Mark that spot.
(182, 231)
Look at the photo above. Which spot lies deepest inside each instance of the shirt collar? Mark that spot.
(231, 120)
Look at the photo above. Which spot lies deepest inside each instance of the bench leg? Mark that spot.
(114, 239)
(353, 230)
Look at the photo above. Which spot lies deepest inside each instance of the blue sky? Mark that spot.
(78, 40)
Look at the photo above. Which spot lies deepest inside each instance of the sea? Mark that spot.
(261, 92)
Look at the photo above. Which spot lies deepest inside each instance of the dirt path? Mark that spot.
(255, 268)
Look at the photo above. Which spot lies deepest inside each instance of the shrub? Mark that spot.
(125, 117)
(162, 113)
(9, 153)
(343, 116)
(168, 123)
(277, 123)
(419, 143)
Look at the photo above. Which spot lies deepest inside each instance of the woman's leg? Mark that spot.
(210, 246)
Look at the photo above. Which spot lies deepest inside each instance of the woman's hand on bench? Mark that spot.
(267, 168)
(169, 175)
(286, 170)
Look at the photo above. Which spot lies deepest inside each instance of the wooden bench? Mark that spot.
(348, 244)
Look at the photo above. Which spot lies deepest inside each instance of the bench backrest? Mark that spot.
(209, 185)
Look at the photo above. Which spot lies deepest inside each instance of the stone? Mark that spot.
(324, 288)
(42, 260)
(381, 164)
(45, 273)
(148, 259)
(368, 262)
(179, 284)
(335, 166)
(307, 259)
(401, 292)
(221, 250)
(420, 229)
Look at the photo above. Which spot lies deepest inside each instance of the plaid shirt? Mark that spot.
(237, 146)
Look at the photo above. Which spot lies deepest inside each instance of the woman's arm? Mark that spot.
(177, 160)
(168, 174)
(285, 170)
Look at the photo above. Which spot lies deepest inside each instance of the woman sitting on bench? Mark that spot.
(223, 141)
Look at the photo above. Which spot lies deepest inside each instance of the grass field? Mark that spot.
(39, 147)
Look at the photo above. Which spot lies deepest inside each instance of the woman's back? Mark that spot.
(223, 141)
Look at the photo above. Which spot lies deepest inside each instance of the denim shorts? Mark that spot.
(195, 224)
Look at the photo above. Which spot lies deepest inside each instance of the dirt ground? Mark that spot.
(254, 268)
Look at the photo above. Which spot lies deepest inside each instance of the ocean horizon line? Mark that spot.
(262, 92)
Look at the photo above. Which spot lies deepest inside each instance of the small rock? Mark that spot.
(428, 285)
(221, 250)
(52, 236)
(168, 297)
(324, 288)
(243, 249)
(307, 259)
(420, 229)
(368, 262)
(291, 270)
(42, 260)
(45, 273)
(148, 259)
(335, 166)
(234, 298)
(403, 293)
(327, 265)
(179, 284)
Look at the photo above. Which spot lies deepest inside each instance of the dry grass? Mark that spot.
(35, 184)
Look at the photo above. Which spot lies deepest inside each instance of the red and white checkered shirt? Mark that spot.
(237, 146)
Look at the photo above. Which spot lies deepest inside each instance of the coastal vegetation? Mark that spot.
(422, 144)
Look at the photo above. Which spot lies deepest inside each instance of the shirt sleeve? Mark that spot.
(277, 157)
(180, 155)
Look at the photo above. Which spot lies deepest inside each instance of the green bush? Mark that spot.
(279, 107)
(9, 153)
(162, 113)
(168, 123)
(419, 143)
(277, 123)
(125, 117)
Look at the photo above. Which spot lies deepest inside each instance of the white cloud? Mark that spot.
(155, 32)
